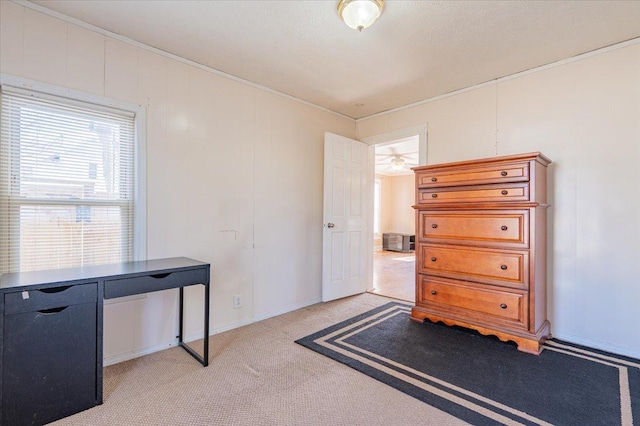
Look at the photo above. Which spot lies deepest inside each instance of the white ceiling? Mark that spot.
(416, 50)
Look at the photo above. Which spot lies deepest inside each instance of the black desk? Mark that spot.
(51, 332)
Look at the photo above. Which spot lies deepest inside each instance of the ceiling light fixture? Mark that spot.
(397, 164)
(360, 14)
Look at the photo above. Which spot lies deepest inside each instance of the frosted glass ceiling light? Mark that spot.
(397, 164)
(360, 14)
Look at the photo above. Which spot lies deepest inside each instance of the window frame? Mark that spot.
(77, 98)
(377, 208)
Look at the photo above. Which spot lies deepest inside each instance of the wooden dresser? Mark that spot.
(481, 247)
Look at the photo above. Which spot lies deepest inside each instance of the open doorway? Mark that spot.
(394, 218)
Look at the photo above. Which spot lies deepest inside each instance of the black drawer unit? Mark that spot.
(146, 283)
(51, 332)
(49, 298)
(398, 242)
(49, 353)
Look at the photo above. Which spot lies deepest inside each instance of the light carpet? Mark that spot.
(257, 376)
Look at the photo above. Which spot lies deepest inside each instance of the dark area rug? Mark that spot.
(480, 379)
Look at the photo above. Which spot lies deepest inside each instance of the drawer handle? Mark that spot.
(55, 289)
(504, 227)
(504, 192)
(433, 259)
(158, 276)
(503, 267)
(434, 195)
(53, 310)
(434, 179)
(433, 292)
(503, 305)
(503, 173)
(434, 225)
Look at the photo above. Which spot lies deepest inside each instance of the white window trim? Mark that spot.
(46, 90)
(378, 234)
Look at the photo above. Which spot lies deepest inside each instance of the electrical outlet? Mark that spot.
(237, 301)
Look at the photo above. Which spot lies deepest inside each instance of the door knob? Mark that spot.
(330, 225)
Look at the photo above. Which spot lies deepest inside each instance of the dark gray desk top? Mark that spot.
(69, 275)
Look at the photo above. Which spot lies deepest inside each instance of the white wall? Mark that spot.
(398, 195)
(585, 116)
(234, 175)
(385, 208)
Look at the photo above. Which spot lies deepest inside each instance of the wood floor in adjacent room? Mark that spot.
(394, 275)
(257, 376)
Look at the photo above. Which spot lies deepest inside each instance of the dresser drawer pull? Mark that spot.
(52, 310)
(434, 195)
(504, 227)
(503, 267)
(503, 305)
(159, 276)
(55, 289)
(504, 192)
(433, 259)
(433, 292)
(503, 173)
(434, 225)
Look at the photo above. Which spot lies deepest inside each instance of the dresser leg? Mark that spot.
(529, 346)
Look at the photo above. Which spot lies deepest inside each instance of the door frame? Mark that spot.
(422, 131)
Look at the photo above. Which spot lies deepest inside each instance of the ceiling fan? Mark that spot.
(395, 162)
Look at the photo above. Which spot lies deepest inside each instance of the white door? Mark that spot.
(345, 186)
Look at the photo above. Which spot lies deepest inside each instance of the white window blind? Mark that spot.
(66, 183)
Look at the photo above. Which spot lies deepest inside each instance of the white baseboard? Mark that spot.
(138, 353)
(290, 308)
(598, 344)
(595, 344)
(215, 330)
(195, 336)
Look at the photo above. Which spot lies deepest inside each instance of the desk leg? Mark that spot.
(100, 343)
(181, 313)
(206, 324)
(203, 360)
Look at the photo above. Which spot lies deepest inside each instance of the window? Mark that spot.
(376, 206)
(67, 187)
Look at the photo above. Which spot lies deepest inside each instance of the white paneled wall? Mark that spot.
(234, 175)
(584, 115)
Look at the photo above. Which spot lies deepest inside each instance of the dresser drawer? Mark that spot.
(475, 194)
(501, 267)
(477, 302)
(148, 283)
(50, 298)
(499, 173)
(505, 228)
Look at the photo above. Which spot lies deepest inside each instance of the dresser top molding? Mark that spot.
(94, 272)
(536, 156)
